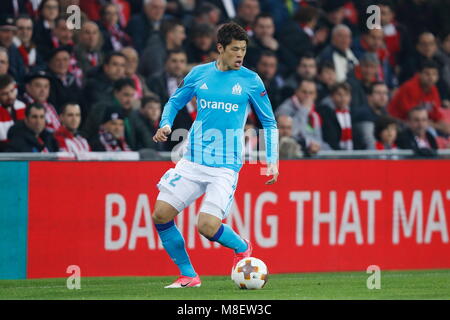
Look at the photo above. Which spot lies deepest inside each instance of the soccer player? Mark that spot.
(213, 155)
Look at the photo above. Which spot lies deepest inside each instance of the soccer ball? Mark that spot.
(250, 273)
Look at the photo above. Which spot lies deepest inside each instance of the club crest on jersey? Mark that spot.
(237, 89)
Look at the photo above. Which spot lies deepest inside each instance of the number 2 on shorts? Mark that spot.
(176, 178)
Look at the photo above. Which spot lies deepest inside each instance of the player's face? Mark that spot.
(233, 54)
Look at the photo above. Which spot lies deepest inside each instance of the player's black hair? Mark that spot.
(35, 105)
(229, 32)
(382, 123)
(6, 80)
(69, 103)
(122, 83)
(373, 85)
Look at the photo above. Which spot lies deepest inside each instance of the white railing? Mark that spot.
(151, 155)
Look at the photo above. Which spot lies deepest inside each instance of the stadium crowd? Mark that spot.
(334, 83)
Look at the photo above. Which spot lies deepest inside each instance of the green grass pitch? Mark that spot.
(424, 284)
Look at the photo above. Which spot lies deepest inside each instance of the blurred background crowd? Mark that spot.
(335, 83)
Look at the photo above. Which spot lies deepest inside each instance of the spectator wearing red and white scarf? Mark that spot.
(386, 130)
(336, 118)
(301, 108)
(131, 71)
(38, 90)
(24, 43)
(111, 136)
(11, 109)
(69, 140)
(114, 38)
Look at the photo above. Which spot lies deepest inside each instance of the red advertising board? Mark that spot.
(330, 215)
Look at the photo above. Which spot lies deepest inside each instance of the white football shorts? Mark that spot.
(182, 185)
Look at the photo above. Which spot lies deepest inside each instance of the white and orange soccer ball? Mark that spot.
(250, 273)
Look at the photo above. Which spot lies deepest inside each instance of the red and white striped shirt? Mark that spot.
(70, 142)
(7, 118)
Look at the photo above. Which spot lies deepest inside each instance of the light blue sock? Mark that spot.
(173, 242)
(230, 239)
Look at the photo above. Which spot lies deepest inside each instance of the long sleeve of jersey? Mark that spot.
(178, 100)
(263, 109)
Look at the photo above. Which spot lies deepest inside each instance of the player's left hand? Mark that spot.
(272, 170)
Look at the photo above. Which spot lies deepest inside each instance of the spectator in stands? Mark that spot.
(372, 41)
(228, 9)
(4, 61)
(306, 121)
(247, 11)
(100, 85)
(150, 115)
(131, 72)
(30, 135)
(69, 140)
(396, 37)
(289, 147)
(201, 45)
(64, 84)
(114, 38)
(361, 79)
(298, 36)
(60, 35)
(165, 84)
(48, 13)
(336, 118)
(111, 136)
(13, 8)
(124, 95)
(147, 23)
(306, 69)
(153, 57)
(206, 13)
(37, 90)
(88, 47)
(267, 69)
(326, 78)
(11, 109)
(24, 43)
(7, 30)
(417, 136)
(421, 90)
(427, 49)
(365, 118)
(263, 39)
(386, 131)
(339, 52)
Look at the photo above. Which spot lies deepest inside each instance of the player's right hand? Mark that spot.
(162, 134)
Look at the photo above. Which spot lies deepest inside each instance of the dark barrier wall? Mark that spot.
(330, 215)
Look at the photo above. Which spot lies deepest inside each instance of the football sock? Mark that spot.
(173, 242)
(230, 239)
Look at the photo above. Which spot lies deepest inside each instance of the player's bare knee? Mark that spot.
(208, 226)
(161, 216)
